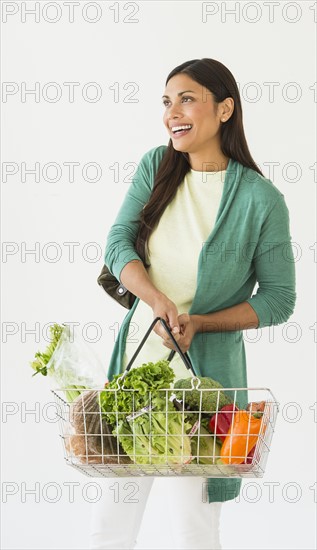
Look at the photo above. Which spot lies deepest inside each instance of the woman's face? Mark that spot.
(195, 107)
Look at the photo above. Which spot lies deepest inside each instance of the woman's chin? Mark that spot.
(179, 146)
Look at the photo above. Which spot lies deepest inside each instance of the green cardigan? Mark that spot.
(249, 244)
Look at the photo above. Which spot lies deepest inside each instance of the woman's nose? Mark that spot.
(173, 111)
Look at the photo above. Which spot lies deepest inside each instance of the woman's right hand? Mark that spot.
(166, 309)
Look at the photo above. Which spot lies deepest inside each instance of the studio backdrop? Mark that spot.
(81, 104)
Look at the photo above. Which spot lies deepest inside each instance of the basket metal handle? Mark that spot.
(184, 357)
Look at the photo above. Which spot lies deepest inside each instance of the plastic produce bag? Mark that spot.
(92, 440)
(70, 362)
(74, 362)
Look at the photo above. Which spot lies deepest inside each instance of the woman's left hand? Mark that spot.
(187, 332)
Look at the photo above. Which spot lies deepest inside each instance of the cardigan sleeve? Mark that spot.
(122, 235)
(274, 264)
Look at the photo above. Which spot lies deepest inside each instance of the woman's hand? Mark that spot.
(187, 332)
(167, 310)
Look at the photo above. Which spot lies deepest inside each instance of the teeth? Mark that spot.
(185, 127)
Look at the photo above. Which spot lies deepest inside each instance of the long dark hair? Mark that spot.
(175, 164)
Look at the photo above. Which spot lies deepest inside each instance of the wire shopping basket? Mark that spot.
(189, 428)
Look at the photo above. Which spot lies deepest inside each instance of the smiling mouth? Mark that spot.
(178, 131)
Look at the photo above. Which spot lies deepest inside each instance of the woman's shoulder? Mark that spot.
(259, 187)
(155, 154)
(150, 162)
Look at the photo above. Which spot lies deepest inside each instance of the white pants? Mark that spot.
(116, 518)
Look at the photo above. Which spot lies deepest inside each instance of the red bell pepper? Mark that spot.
(250, 456)
(224, 419)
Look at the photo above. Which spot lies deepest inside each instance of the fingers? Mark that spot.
(178, 330)
(183, 318)
(160, 330)
(172, 325)
(167, 310)
(173, 322)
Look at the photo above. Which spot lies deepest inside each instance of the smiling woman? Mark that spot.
(202, 117)
(179, 244)
(183, 128)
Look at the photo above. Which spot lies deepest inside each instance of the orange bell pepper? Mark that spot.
(242, 436)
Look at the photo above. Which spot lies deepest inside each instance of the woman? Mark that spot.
(192, 252)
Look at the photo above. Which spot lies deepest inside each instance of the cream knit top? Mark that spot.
(174, 248)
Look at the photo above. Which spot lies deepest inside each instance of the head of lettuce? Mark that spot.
(143, 417)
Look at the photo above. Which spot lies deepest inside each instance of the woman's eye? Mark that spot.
(167, 101)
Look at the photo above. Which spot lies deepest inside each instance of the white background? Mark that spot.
(37, 290)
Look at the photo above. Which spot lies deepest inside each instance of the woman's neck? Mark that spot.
(203, 163)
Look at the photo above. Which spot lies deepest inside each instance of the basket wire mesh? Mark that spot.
(91, 447)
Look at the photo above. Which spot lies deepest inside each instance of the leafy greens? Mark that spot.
(148, 426)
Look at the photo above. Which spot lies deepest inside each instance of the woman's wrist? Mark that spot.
(196, 322)
(155, 298)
